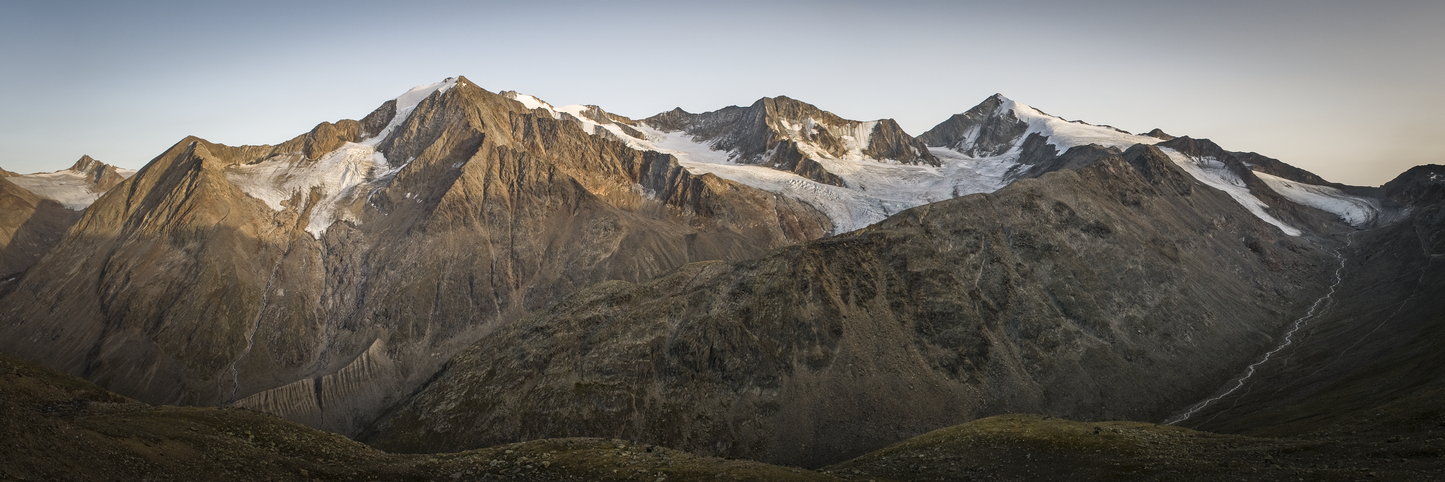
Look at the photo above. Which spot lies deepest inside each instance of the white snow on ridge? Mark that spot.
(1213, 173)
(407, 103)
(1356, 211)
(1066, 134)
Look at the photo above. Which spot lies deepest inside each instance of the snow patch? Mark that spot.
(531, 102)
(1356, 211)
(1213, 173)
(335, 177)
(69, 188)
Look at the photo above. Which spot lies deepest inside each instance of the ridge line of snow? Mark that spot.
(1215, 174)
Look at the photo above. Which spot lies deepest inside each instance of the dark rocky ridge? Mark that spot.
(179, 288)
(1159, 134)
(1122, 290)
(985, 130)
(1420, 185)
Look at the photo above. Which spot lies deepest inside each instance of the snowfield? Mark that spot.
(1356, 211)
(876, 188)
(69, 188)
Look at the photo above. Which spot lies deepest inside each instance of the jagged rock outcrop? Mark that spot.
(247, 274)
(1118, 291)
(102, 175)
(988, 129)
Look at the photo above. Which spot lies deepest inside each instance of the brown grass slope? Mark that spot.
(1039, 448)
(55, 427)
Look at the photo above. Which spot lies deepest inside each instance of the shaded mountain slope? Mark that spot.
(321, 277)
(1122, 291)
(1372, 356)
(29, 226)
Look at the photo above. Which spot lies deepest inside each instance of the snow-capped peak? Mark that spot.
(406, 103)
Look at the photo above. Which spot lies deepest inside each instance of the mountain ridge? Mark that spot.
(331, 278)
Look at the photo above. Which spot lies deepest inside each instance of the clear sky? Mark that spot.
(1349, 90)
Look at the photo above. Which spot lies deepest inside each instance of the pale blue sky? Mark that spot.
(1349, 90)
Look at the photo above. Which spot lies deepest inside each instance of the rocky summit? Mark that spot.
(505, 289)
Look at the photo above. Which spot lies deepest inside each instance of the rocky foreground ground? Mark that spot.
(57, 427)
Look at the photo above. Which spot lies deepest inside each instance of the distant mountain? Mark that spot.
(75, 187)
(36, 209)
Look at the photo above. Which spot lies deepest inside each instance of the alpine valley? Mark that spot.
(485, 286)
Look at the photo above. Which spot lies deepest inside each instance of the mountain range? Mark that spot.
(462, 269)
